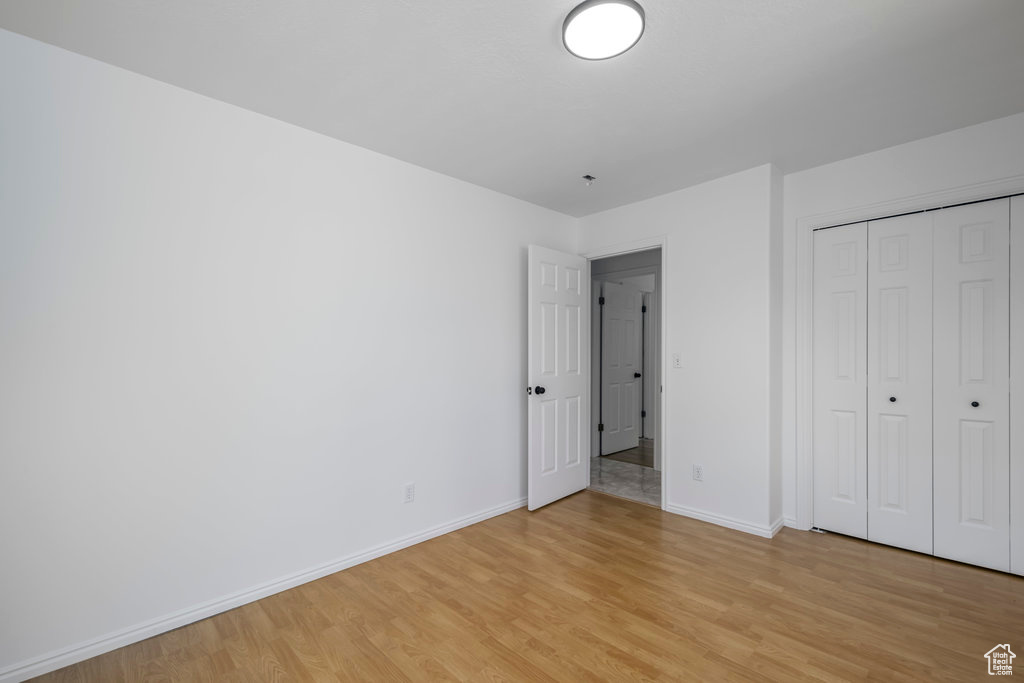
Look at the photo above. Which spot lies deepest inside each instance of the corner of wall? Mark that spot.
(775, 360)
(577, 234)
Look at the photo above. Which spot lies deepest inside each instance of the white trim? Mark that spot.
(133, 634)
(657, 242)
(629, 247)
(805, 226)
(728, 522)
(992, 189)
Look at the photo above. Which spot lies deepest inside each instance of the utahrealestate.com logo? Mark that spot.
(1000, 660)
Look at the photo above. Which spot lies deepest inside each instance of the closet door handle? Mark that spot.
(892, 399)
(539, 390)
(975, 404)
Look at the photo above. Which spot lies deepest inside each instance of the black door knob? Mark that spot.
(636, 374)
(539, 390)
(975, 404)
(892, 399)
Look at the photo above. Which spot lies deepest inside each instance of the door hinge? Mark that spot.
(600, 301)
(643, 309)
(643, 413)
(600, 427)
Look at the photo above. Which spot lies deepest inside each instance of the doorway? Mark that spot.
(626, 391)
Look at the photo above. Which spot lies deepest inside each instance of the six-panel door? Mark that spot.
(840, 333)
(972, 412)
(620, 367)
(899, 395)
(559, 410)
(936, 462)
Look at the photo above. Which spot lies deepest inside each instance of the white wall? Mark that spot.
(717, 276)
(776, 275)
(199, 395)
(645, 283)
(976, 162)
(648, 258)
(200, 398)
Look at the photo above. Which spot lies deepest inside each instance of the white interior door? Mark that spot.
(559, 410)
(620, 367)
(840, 379)
(972, 464)
(900, 381)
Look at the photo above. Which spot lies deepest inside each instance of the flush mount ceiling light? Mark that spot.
(599, 29)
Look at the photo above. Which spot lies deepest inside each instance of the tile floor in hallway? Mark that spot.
(626, 480)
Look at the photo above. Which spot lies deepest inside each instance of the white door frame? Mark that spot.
(804, 265)
(661, 442)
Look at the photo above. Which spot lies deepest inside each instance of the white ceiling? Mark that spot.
(484, 91)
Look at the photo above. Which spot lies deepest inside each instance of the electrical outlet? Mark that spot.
(410, 493)
(698, 473)
(677, 360)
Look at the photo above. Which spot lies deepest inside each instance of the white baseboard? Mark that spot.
(728, 522)
(133, 634)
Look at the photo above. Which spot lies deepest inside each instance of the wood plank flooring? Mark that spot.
(596, 588)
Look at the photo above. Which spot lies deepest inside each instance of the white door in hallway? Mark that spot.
(840, 379)
(620, 367)
(558, 365)
(900, 381)
(972, 462)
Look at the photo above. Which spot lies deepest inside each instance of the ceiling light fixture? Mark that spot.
(599, 29)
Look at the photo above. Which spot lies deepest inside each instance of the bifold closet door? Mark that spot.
(971, 381)
(840, 374)
(899, 422)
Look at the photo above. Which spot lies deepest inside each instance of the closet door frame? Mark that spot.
(803, 415)
(1017, 385)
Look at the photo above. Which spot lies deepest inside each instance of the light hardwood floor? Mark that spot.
(597, 588)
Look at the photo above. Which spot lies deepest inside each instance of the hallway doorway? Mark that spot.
(625, 457)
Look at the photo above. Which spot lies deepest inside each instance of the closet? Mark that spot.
(911, 382)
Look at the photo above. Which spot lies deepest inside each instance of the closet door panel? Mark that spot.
(899, 442)
(972, 428)
(840, 319)
(1017, 385)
